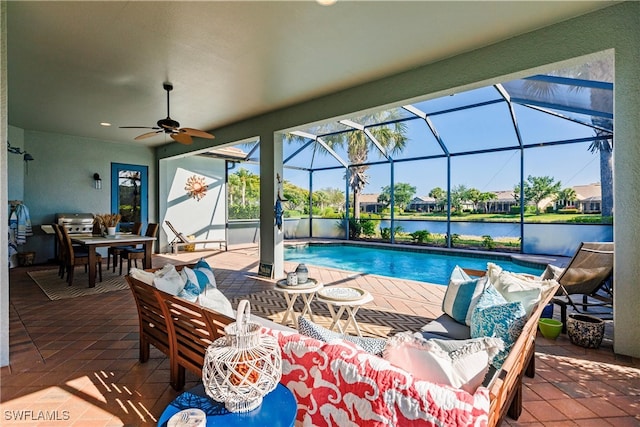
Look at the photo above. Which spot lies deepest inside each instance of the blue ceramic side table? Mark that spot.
(278, 409)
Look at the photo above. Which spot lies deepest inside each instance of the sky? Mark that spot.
(571, 164)
(487, 126)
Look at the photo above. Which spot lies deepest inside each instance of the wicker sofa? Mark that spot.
(183, 330)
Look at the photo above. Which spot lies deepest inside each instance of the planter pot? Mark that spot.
(111, 231)
(584, 330)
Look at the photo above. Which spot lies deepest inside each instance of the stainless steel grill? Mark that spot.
(76, 223)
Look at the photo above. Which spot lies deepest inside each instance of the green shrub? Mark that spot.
(244, 212)
(292, 214)
(568, 211)
(550, 209)
(368, 227)
(385, 232)
(487, 242)
(514, 210)
(420, 236)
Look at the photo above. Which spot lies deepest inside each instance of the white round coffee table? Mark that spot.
(346, 299)
(306, 290)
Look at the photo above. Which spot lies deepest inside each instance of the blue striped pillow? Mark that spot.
(462, 295)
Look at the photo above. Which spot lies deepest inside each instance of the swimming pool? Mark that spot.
(421, 266)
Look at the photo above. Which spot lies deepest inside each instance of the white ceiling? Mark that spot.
(72, 65)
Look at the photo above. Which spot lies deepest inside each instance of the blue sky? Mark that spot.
(483, 127)
(572, 164)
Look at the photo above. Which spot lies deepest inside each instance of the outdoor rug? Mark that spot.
(56, 288)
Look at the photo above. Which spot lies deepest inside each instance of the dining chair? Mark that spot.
(61, 252)
(76, 256)
(137, 252)
(114, 251)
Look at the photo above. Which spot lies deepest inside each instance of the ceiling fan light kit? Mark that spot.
(171, 127)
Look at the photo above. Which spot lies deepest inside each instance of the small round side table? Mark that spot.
(306, 290)
(278, 409)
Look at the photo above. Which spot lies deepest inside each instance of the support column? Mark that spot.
(626, 155)
(4, 133)
(271, 238)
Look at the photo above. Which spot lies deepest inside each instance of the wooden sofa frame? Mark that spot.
(184, 338)
(505, 390)
(191, 328)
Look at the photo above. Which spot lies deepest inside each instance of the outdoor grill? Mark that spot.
(76, 223)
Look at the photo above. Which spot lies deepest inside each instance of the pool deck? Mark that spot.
(81, 355)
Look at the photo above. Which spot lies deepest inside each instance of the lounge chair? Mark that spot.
(181, 240)
(589, 273)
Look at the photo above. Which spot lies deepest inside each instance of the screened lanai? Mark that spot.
(451, 170)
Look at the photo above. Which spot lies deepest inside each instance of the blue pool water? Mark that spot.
(420, 266)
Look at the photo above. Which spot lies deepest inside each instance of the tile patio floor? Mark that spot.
(77, 359)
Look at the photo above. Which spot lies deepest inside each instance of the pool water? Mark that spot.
(420, 266)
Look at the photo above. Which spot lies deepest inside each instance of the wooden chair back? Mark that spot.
(152, 323)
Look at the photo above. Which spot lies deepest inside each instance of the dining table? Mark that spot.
(93, 241)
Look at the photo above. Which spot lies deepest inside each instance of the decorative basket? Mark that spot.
(243, 366)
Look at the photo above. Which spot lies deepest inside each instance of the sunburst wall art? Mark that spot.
(196, 187)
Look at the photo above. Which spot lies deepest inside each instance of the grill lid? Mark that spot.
(76, 222)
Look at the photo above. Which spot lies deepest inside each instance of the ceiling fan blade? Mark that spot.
(147, 135)
(182, 138)
(197, 132)
(139, 127)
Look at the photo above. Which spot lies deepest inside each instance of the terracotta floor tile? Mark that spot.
(572, 408)
(602, 407)
(543, 411)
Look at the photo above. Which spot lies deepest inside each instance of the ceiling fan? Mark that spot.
(170, 127)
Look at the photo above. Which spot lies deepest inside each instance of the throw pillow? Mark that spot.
(371, 345)
(190, 292)
(494, 316)
(203, 267)
(169, 280)
(144, 276)
(458, 363)
(215, 300)
(200, 275)
(462, 295)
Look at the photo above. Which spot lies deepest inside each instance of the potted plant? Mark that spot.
(109, 222)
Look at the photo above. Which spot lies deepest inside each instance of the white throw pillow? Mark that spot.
(215, 300)
(458, 363)
(170, 281)
(143, 276)
(516, 287)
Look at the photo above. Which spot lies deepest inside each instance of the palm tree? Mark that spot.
(566, 195)
(599, 69)
(391, 136)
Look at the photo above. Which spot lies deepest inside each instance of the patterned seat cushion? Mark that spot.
(339, 384)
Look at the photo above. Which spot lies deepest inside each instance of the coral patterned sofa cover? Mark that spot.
(339, 384)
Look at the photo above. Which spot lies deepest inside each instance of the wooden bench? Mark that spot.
(180, 329)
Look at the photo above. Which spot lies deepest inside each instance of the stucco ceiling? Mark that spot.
(72, 65)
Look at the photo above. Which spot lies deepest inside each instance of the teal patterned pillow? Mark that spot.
(494, 316)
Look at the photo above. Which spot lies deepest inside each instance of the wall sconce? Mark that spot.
(16, 150)
(97, 182)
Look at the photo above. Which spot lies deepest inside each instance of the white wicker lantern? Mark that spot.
(243, 366)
